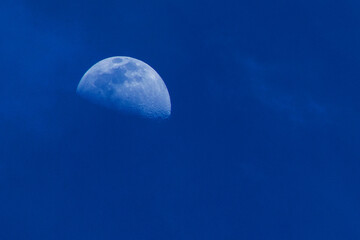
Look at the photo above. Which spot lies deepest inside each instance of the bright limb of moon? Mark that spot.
(128, 85)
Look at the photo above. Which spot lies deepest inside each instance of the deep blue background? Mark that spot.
(263, 141)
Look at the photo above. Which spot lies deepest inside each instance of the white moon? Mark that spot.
(128, 85)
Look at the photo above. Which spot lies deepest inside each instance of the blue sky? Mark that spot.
(262, 142)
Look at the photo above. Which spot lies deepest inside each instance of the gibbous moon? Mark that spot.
(128, 85)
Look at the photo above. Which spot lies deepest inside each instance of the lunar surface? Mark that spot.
(128, 85)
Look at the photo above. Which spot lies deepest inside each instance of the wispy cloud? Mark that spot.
(278, 87)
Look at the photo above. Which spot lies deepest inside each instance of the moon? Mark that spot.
(127, 85)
